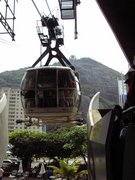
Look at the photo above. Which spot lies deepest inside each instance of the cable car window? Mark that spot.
(78, 97)
(28, 89)
(29, 80)
(72, 82)
(50, 98)
(65, 79)
(66, 85)
(46, 78)
(70, 98)
(46, 88)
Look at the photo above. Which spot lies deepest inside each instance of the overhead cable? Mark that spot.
(37, 9)
(48, 7)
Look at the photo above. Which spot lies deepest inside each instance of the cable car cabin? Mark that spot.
(51, 93)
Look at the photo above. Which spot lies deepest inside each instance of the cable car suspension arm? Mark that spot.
(55, 34)
(59, 55)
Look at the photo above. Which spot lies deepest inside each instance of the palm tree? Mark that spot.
(68, 171)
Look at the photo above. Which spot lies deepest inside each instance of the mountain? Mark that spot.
(11, 78)
(94, 77)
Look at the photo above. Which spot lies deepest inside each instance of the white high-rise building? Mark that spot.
(15, 110)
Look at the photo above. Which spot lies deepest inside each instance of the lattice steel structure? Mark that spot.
(7, 17)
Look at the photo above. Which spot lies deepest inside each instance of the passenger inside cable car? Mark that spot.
(66, 86)
(46, 89)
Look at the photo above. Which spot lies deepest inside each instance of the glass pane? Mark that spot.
(46, 78)
(67, 14)
(67, 5)
(28, 81)
(30, 102)
(66, 79)
(28, 89)
(66, 98)
(66, 86)
(50, 98)
(46, 88)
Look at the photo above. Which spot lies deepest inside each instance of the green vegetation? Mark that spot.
(77, 142)
(54, 145)
(68, 171)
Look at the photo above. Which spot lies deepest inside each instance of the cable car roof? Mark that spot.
(120, 14)
(49, 67)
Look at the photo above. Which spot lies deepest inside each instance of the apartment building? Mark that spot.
(15, 110)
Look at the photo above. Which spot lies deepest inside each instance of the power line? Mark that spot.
(6, 42)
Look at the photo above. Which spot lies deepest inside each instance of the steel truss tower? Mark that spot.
(7, 17)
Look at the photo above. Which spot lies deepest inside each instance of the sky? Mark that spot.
(95, 38)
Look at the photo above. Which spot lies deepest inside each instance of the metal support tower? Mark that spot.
(7, 17)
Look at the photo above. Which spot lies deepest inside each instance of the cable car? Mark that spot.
(51, 93)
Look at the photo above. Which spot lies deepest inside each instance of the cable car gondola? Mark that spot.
(51, 93)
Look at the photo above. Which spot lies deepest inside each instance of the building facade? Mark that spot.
(15, 110)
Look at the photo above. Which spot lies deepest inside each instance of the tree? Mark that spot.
(55, 142)
(77, 142)
(26, 144)
(59, 144)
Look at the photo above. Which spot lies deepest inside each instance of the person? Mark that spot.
(130, 81)
(62, 98)
(70, 94)
(40, 95)
(1, 173)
